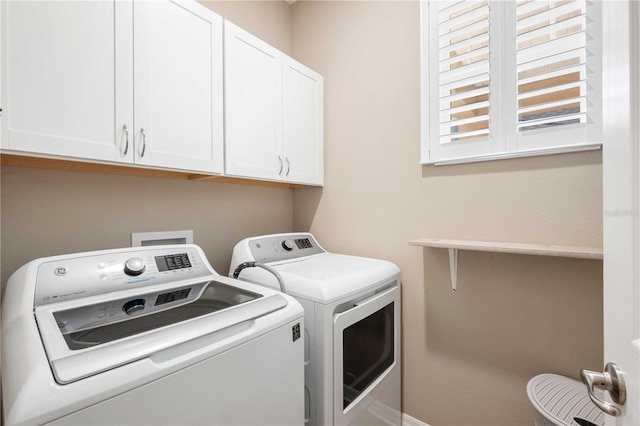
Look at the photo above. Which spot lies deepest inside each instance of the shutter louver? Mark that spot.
(463, 70)
(551, 63)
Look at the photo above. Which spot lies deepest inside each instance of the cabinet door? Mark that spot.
(67, 78)
(253, 106)
(178, 86)
(302, 109)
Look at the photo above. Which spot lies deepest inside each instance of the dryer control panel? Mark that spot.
(276, 248)
(73, 277)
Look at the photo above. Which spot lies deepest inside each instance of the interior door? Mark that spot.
(621, 169)
(178, 86)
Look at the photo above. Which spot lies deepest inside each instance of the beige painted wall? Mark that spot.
(269, 20)
(48, 212)
(466, 356)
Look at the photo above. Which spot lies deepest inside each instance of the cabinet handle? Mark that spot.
(288, 166)
(144, 142)
(126, 139)
(281, 164)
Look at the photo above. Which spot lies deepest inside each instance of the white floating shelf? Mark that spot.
(500, 247)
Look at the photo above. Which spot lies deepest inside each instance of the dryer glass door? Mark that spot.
(366, 344)
(367, 352)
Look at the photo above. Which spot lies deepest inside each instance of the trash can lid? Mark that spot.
(562, 400)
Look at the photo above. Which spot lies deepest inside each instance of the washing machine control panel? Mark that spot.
(277, 248)
(76, 277)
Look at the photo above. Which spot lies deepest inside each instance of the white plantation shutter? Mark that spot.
(507, 76)
(462, 76)
(463, 69)
(551, 63)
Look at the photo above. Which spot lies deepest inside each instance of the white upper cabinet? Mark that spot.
(273, 113)
(67, 69)
(253, 106)
(70, 84)
(302, 113)
(178, 86)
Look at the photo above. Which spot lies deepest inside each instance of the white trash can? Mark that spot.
(562, 401)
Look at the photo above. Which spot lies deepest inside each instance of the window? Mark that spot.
(509, 78)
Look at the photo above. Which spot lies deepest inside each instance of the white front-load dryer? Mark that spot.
(147, 336)
(352, 325)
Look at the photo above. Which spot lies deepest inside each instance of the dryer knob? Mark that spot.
(133, 306)
(134, 266)
(287, 245)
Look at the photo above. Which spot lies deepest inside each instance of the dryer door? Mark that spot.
(366, 351)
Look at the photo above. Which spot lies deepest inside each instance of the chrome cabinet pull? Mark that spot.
(144, 142)
(288, 166)
(610, 380)
(281, 164)
(126, 139)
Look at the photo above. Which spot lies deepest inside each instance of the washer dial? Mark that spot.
(133, 306)
(134, 266)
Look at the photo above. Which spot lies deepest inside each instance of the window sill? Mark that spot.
(519, 154)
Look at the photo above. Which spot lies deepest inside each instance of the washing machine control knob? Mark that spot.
(134, 266)
(287, 245)
(133, 306)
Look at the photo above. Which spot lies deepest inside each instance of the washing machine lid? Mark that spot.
(329, 277)
(87, 336)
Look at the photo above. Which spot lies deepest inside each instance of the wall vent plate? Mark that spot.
(142, 239)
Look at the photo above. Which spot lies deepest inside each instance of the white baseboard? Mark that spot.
(407, 420)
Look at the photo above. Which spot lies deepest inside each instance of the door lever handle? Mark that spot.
(610, 380)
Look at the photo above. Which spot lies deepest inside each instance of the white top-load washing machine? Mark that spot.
(147, 335)
(352, 325)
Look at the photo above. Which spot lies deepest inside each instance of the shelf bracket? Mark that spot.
(453, 266)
